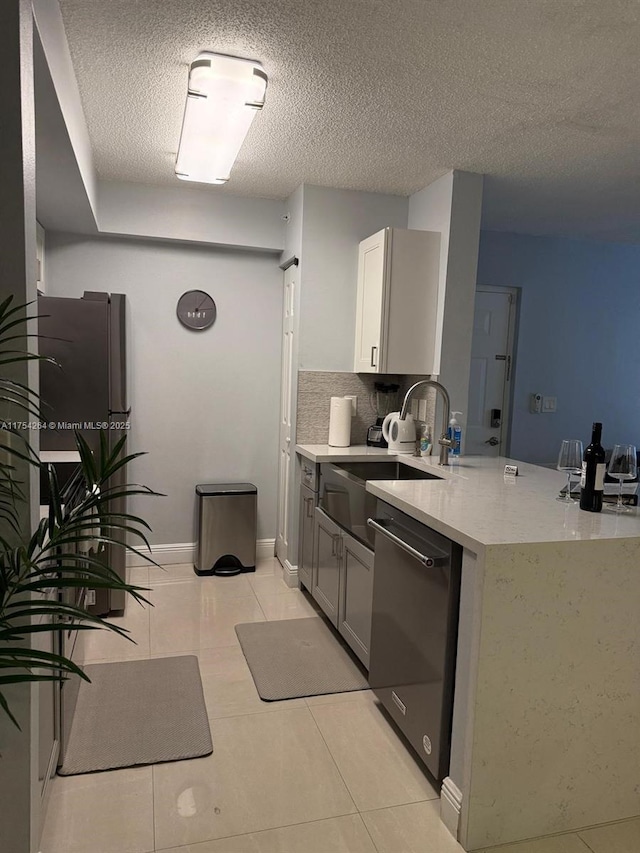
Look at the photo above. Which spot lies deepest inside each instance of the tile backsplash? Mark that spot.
(316, 388)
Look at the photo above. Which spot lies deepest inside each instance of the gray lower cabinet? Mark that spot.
(306, 537)
(343, 583)
(326, 570)
(356, 596)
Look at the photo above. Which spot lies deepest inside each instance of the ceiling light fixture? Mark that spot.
(224, 93)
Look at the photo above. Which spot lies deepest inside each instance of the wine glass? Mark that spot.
(623, 465)
(569, 460)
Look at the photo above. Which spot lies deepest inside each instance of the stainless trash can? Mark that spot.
(227, 520)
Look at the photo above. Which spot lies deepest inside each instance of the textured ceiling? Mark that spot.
(542, 96)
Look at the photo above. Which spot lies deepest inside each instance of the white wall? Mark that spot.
(334, 222)
(459, 305)
(453, 205)
(50, 27)
(430, 210)
(63, 203)
(204, 404)
(191, 212)
(293, 207)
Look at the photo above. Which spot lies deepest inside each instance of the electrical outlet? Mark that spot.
(354, 404)
(422, 410)
(549, 404)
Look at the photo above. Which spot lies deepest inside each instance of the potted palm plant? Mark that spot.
(64, 551)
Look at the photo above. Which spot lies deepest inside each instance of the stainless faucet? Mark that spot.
(444, 441)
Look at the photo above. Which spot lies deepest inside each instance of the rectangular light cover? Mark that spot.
(224, 94)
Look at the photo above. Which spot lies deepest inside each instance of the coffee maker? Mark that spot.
(384, 400)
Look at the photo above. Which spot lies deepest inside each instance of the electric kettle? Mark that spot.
(400, 435)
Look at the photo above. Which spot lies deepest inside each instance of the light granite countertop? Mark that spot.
(476, 505)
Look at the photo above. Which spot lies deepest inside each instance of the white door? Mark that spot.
(286, 391)
(490, 378)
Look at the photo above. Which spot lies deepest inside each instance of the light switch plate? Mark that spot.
(549, 404)
(414, 408)
(422, 410)
(354, 404)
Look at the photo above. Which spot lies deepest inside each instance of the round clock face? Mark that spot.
(196, 310)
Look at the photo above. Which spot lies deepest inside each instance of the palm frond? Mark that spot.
(65, 551)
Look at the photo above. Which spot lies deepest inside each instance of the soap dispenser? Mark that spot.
(455, 434)
(425, 440)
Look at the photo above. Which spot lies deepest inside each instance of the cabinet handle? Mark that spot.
(334, 544)
(309, 503)
(374, 350)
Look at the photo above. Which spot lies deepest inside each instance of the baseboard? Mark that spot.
(166, 555)
(184, 552)
(265, 549)
(290, 574)
(450, 806)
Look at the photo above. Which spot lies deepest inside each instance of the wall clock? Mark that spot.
(196, 310)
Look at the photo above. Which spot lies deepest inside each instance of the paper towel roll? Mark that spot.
(340, 422)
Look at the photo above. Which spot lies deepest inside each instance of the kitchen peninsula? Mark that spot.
(546, 721)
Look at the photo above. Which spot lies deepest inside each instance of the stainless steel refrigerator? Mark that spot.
(86, 337)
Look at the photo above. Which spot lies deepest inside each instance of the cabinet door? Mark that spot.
(48, 712)
(372, 262)
(326, 569)
(356, 596)
(305, 537)
(411, 342)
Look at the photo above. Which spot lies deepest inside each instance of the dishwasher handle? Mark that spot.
(429, 562)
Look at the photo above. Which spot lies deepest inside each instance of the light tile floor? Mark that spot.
(300, 776)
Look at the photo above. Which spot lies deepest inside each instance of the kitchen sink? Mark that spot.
(379, 470)
(344, 498)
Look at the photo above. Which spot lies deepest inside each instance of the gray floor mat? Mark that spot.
(138, 712)
(291, 658)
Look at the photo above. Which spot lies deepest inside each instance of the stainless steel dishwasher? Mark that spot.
(416, 597)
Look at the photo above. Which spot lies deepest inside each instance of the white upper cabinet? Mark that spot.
(371, 295)
(396, 309)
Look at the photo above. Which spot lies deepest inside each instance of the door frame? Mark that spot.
(285, 417)
(509, 384)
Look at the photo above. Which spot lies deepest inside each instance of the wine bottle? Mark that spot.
(593, 471)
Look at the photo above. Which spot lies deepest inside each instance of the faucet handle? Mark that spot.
(445, 441)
